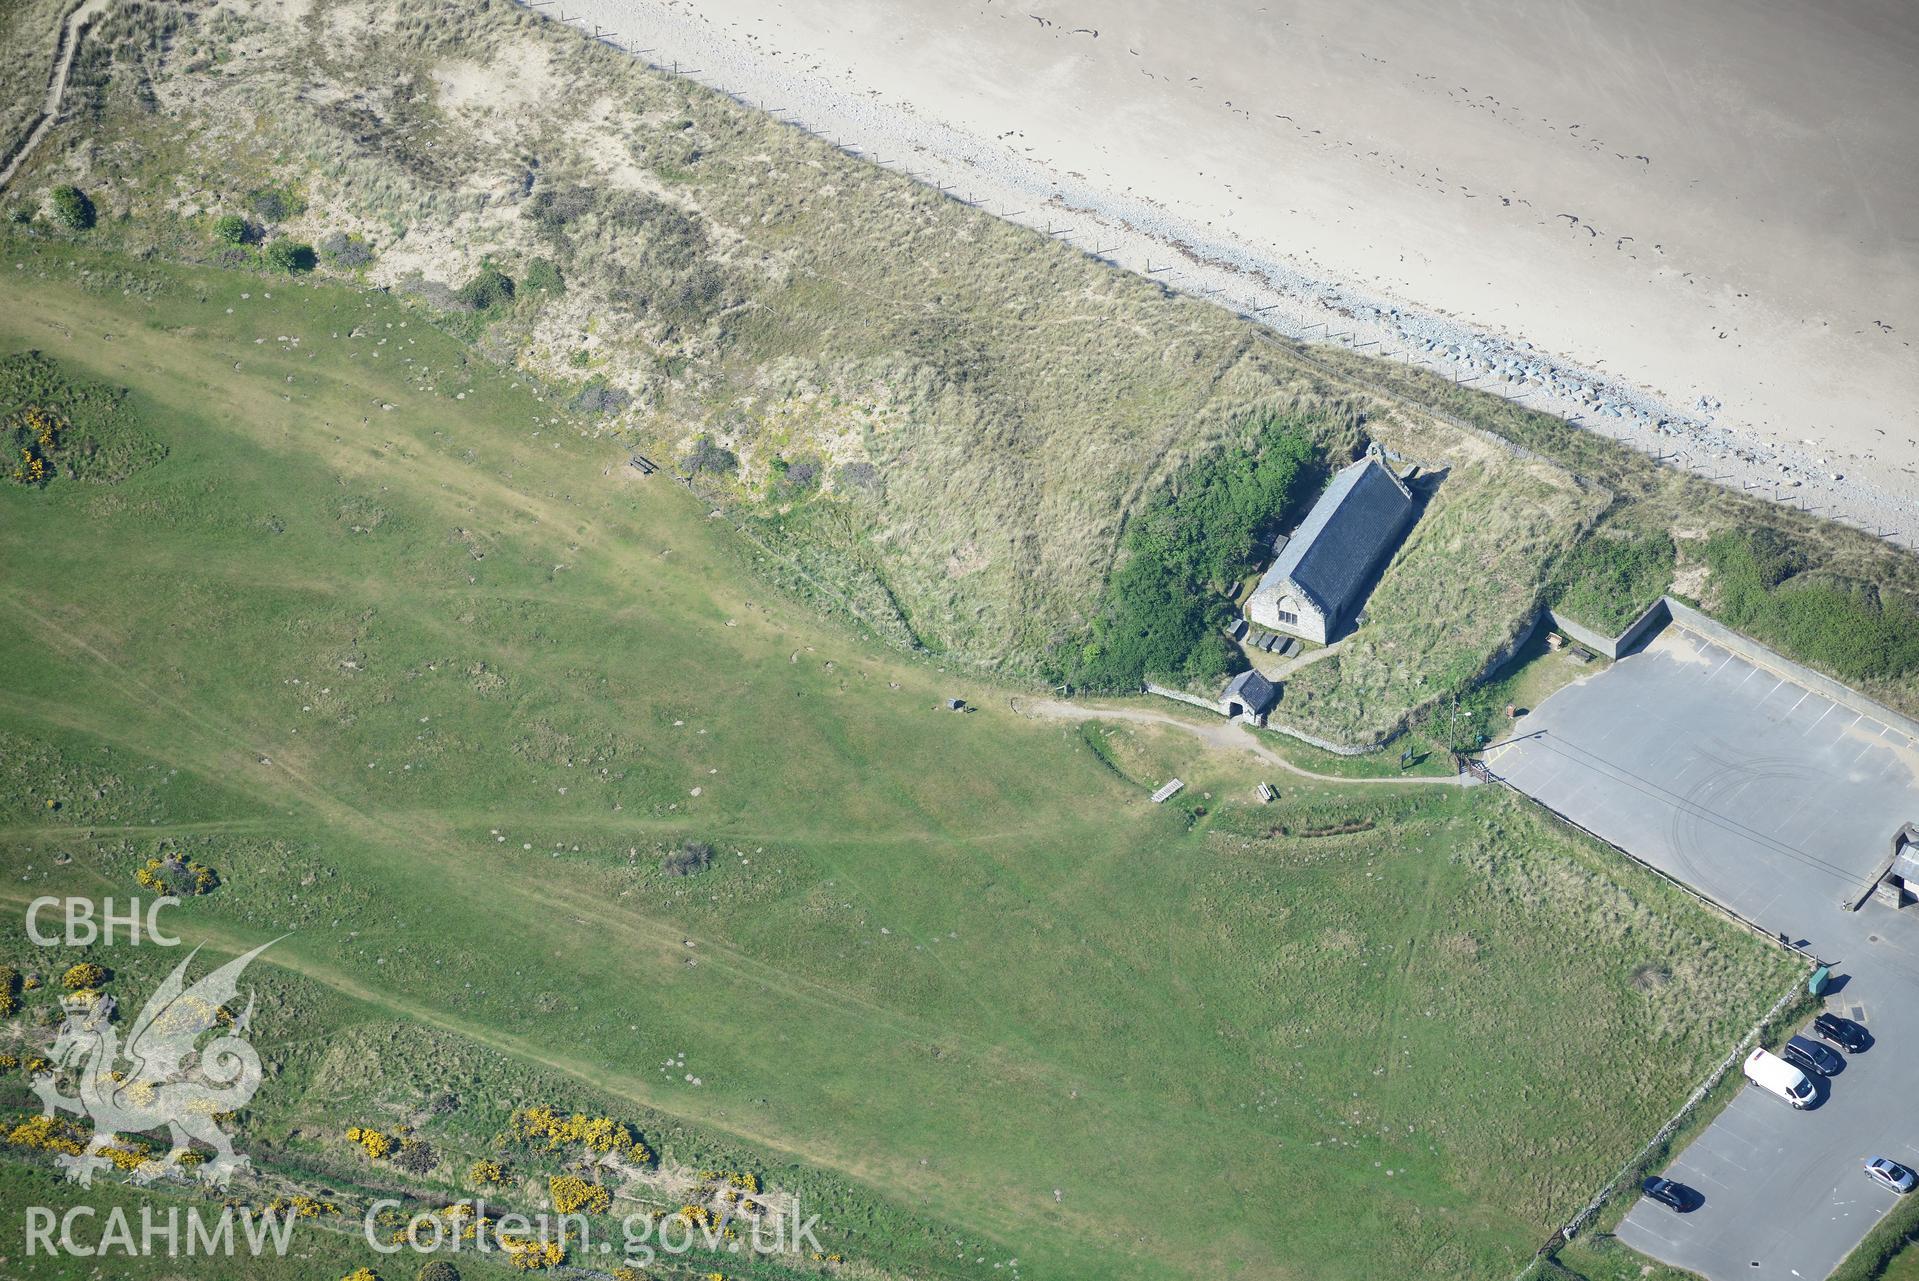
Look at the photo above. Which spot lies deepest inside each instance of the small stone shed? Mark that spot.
(1249, 696)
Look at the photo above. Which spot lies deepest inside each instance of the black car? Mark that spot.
(1674, 1196)
(1809, 1055)
(1844, 1033)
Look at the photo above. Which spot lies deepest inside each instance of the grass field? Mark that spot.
(1904, 1266)
(433, 680)
(943, 423)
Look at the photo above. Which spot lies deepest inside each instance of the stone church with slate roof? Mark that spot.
(1319, 581)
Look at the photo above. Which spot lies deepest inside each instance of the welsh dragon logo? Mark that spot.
(168, 1079)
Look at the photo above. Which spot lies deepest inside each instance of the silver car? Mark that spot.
(1891, 1174)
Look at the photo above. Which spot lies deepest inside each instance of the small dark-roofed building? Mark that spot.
(1318, 582)
(1249, 695)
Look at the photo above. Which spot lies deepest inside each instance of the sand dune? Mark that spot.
(1696, 227)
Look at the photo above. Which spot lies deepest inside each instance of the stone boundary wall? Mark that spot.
(1325, 745)
(1182, 697)
(1506, 653)
(1656, 614)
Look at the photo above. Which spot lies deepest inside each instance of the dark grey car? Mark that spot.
(1676, 1197)
(1810, 1056)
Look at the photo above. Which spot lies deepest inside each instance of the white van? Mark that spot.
(1776, 1076)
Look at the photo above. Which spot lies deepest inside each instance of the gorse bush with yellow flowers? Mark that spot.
(301, 1206)
(84, 976)
(574, 1195)
(48, 1134)
(377, 1143)
(399, 1146)
(594, 1133)
(728, 1190)
(486, 1173)
(528, 1254)
(180, 877)
(36, 434)
(9, 991)
(31, 469)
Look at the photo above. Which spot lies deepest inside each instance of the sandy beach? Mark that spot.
(1694, 228)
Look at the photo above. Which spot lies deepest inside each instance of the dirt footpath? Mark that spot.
(1220, 735)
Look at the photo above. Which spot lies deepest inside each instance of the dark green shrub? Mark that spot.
(1774, 557)
(438, 1270)
(544, 273)
(689, 858)
(857, 476)
(799, 478)
(489, 289)
(552, 208)
(705, 456)
(346, 252)
(289, 256)
(72, 209)
(1164, 603)
(275, 204)
(416, 1156)
(1852, 629)
(598, 398)
(232, 229)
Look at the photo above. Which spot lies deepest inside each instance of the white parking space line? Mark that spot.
(1714, 1167)
(1822, 716)
(1640, 1229)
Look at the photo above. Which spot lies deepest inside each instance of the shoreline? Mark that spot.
(1140, 233)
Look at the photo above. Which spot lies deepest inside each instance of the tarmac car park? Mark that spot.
(1776, 800)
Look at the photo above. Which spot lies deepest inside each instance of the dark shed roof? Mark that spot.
(1252, 689)
(1349, 530)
